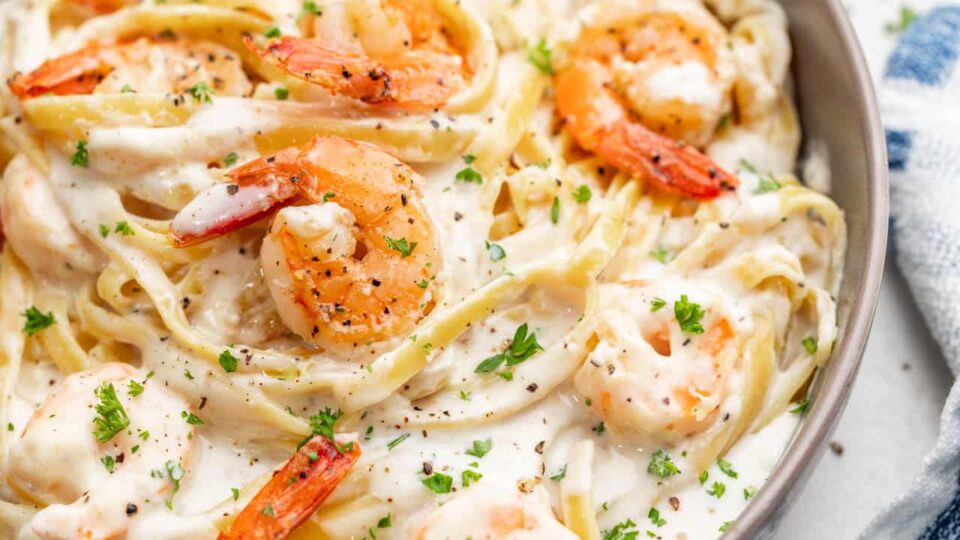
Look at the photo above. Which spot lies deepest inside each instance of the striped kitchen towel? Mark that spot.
(920, 104)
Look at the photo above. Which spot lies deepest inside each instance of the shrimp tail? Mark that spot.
(341, 72)
(295, 492)
(256, 190)
(77, 73)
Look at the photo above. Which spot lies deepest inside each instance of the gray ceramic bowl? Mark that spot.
(837, 106)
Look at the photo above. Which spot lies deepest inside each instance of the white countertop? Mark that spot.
(890, 423)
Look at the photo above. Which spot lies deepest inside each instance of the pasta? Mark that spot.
(401, 268)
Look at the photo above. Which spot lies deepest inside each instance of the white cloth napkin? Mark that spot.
(917, 66)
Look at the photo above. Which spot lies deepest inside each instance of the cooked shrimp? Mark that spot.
(101, 7)
(295, 492)
(169, 66)
(489, 512)
(352, 266)
(37, 228)
(63, 454)
(402, 55)
(648, 375)
(643, 90)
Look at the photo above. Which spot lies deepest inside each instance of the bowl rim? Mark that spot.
(808, 444)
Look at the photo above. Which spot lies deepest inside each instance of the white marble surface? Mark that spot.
(889, 425)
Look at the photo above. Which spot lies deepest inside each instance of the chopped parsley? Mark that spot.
(661, 465)
(123, 228)
(191, 418)
(749, 492)
(104, 230)
(228, 361)
(10, 426)
(465, 395)
(506, 375)
(555, 210)
(201, 92)
(655, 518)
(385, 522)
(657, 304)
(809, 344)
(907, 17)
(688, 314)
(108, 463)
(467, 477)
(521, 348)
(323, 422)
(480, 448)
(36, 320)
(726, 525)
(703, 477)
(726, 468)
(468, 174)
(134, 388)
(582, 194)
(401, 245)
(175, 473)
(622, 531)
(236, 493)
(272, 32)
(660, 254)
(599, 428)
(423, 284)
(767, 184)
(559, 475)
(396, 442)
(127, 89)
(310, 7)
(717, 489)
(496, 251)
(328, 195)
(801, 407)
(187, 374)
(80, 158)
(438, 483)
(230, 159)
(267, 510)
(111, 418)
(281, 93)
(541, 57)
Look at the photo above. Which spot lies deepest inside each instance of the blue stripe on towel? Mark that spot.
(899, 144)
(928, 49)
(947, 524)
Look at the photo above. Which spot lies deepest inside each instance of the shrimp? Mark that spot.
(356, 263)
(63, 453)
(102, 7)
(489, 512)
(402, 55)
(37, 227)
(146, 66)
(295, 492)
(648, 375)
(642, 91)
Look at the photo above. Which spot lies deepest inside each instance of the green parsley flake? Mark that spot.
(655, 518)
(201, 92)
(228, 361)
(767, 184)
(726, 526)
(496, 251)
(111, 418)
(555, 210)
(465, 395)
(703, 477)
(468, 174)
(599, 428)
(582, 194)
(134, 388)
(688, 314)
(423, 284)
(310, 7)
(801, 407)
(191, 418)
(660, 255)
(36, 320)
(438, 483)
(127, 89)
(468, 477)
(272, 32)
(187, 374)
(661, 465)
(402, 246)
(657, 304)
(810, 344)
(328, 195)
(506, 375)
(907, 17)
(80, 158)
(385, 522)
(717, 489)
(267, 510)
(324, 421)
(396, 442)
(175, 473)
(230, 159)
(281, 93)
(104, 230)
(726, 468)
(622, 531)
(480, 448)
(541, 57)
(123, 228)
(236, 493)
(559, 475)
(521, 348)
(108, 462)
(10, 426)
(749, 492)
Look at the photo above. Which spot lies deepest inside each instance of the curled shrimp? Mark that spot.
(402, 55)
(354, 264)
(642, 91)
(492, 512)
(63, 454)
(169, 66)
(649, 375)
